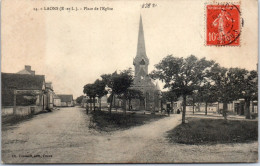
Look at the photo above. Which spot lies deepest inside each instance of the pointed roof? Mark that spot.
(23, 72)
(27, 70)
(141, 52)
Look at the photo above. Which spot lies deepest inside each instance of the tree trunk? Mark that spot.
(199, 106)
(218, 108)
(161, 105)
(90, 101)
(14, 109)
(206, 108)
(99, 103)
(253, 110)
(111, 102)
(193, 103)
(94, 102)
(247, 110)
(224, 113)
(172, 106)
(184, 109)
(125, 106)
(129, 106)
(145, 102)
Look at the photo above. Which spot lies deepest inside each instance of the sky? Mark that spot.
(73, 48)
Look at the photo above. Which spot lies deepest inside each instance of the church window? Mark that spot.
(142, 62)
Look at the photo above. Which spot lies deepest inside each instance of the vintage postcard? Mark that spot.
(144, 81)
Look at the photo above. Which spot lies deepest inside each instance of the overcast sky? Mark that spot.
(74, 48)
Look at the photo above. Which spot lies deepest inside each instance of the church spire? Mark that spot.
(141, 61)
(141, 44)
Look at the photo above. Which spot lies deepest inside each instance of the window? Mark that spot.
(142, 62)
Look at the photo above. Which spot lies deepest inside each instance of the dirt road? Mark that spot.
(63, 136)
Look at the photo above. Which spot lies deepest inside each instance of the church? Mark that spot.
(142, 80)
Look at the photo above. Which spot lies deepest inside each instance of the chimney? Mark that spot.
(32, 72)
(27, 67)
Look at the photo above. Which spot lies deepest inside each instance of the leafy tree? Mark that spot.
(132, 94)
(244, 85)
(100, 90)
(182, 75)
(233, 84)
(79, 99)
(195, 97)
(169, 96)
(90, 91)
(118, 83)
(207, 93)
(223, 85)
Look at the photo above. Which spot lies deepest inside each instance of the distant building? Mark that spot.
(98, 102)
(23, 91)
(27, 70)
(56, 101)
(66, 100)
(84, 102)
(50, 95)
(49, 89)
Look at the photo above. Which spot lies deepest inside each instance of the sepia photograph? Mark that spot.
(129, 82)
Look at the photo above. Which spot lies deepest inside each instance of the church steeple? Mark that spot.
(141, 60)
(141, 44)
(142, 80)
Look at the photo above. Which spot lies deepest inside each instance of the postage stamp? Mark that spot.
(223, 24)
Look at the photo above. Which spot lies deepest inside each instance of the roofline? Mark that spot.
(25, 89)
(23, 74)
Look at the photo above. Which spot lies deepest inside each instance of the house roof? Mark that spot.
(65, 98)
(56, 97)
(22, 82)
(27, 70)
(11, 81)
(23, 72)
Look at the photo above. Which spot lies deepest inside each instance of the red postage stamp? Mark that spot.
(223, 24)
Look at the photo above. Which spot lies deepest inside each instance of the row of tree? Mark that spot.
(206, 81)
(199, 79)
(117, 84)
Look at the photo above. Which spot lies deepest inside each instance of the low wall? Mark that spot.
(21, 110)
(7, 111)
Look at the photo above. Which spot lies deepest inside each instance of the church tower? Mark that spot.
(141, 60)
(142, 80)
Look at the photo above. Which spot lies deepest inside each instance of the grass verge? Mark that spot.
(213, 131)
(104, 121)
(8, 120)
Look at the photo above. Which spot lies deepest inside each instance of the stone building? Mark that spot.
(66, 100)
(49, 88)
(142, 80)
(23, 94)
(50, 95)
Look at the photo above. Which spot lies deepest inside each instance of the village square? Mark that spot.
(185, 110)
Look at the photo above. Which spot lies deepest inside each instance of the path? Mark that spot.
(63, 136)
